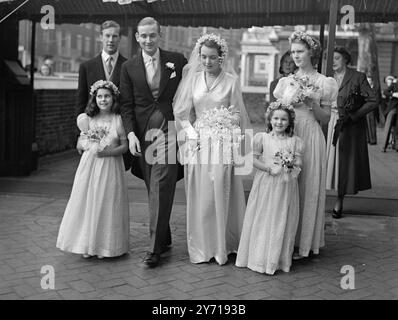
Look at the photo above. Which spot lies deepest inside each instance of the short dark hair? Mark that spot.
(345, 53)
(284, 56)
(110, 24)
(148, 21)
(92, 107)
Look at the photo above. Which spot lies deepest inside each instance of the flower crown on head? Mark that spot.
(278, 105)
(302, 36)
(104, 84)
(215, 38)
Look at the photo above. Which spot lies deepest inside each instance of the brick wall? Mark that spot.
(55, 120)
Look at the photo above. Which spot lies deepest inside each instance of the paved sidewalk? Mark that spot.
(29, 227)
(31, 210)
(55, 174)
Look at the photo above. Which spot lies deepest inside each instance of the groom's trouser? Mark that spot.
(160, 176)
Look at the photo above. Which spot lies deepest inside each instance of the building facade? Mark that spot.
(67, 44)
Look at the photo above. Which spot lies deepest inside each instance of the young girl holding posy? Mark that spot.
(96, 219)
(272, 213)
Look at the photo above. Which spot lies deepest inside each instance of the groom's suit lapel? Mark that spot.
(164, 72)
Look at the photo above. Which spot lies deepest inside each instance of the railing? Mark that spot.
(58, 81)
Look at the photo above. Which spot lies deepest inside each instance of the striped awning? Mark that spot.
(216, 13)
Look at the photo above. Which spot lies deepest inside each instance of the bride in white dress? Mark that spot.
(215, 196)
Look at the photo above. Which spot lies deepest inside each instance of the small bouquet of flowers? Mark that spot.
(285, 160)
(299, 89)
(221, 127)
(97, 133)
(96, 138)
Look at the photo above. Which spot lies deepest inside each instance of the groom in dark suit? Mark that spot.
(105, 66)
(148, 84)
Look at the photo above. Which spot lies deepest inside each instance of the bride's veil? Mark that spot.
(183, 99)
(183, 103)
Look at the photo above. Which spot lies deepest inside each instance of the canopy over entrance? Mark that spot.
(16, 155)
(216, 13)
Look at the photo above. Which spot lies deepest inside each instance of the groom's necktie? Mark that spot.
(109, 65)
(151, 69)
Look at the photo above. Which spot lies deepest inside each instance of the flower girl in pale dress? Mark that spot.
(96, 218)
(272, 213)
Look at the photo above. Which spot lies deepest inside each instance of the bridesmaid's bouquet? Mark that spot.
(97, 138)
(285, 160)
(299, 89)
(97, 134)
(221, 127)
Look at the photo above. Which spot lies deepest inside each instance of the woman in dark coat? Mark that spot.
(354, 101)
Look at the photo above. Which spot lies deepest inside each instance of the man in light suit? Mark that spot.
(148, 84)
(105, 66)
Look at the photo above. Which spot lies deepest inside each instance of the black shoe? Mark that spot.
(151, 259)
(337, 214)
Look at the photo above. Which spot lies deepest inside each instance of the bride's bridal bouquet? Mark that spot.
(285, 161)
(219, 127)
(299, 89)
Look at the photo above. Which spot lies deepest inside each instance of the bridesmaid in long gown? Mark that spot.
(309, 114)
(215, 195)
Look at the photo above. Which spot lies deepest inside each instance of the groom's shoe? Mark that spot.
(151, 259)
